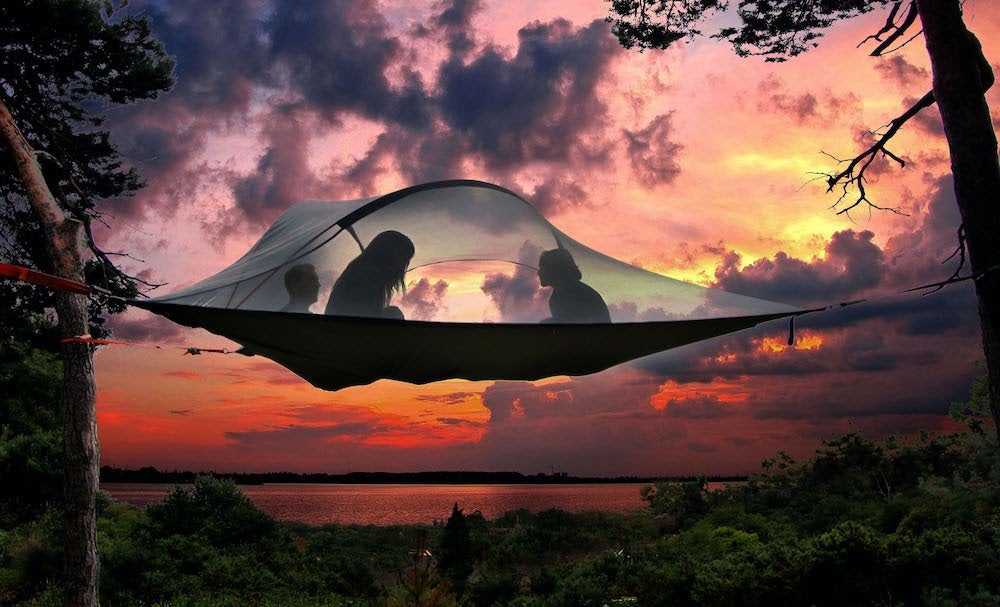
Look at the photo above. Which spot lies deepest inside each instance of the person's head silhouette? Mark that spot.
(302, 284)
(366, 286)
(557, 267)
(571, 300)
(391, 252)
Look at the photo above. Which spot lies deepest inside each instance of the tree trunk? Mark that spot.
(64, 244)
(958, 87)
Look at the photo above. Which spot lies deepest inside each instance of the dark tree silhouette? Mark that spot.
(455, 557)
(60, 59)
(777, 29)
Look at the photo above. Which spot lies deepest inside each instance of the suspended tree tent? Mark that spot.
(477, 247)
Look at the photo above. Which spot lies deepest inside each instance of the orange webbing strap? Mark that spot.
(87, 339)
(43, 279)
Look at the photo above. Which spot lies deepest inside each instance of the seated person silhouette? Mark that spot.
(368, 282)
(571, 301)
(302, 285)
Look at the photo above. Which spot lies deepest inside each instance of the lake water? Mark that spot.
(406, 504)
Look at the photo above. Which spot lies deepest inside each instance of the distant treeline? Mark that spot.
(149, 474)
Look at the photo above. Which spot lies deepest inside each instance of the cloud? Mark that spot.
(181, 412)
(312, 427)
(557, 193)
(804, 108)
(293, 436)
(282, 174)
(927, 120)
(597, 423)
(652, 154)
(145, 328)
(852, 265)
(336, 55)
(455, 20)
(695, 407)
(900, 72)
(518, 296)
(423, 299)
(450, 399)
(218, 48)
(536, 106)
(458, 422)
(189, 375)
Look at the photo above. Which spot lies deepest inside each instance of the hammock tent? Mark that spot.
(477, 247)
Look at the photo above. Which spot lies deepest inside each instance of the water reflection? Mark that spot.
(405, 504)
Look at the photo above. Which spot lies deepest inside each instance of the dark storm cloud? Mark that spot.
(853, 263)
(456, 21)
(536, 105)
(282, 175)
(870, 395)
(556, 193)
(336, 55)
(533, 107)
(652, 153)
(420, 156)
(329, 57)
(219, 48)
(158, 139)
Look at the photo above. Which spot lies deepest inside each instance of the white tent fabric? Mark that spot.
(476, 252)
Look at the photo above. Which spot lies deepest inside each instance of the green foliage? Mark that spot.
(683, 502)
(30, 432)
(774, 29)
(207, 539)
(30, 558)
(62, 63)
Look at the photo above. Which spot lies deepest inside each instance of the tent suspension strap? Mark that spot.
(47, 280)
(86, 338)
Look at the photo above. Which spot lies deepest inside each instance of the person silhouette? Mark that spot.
(367, 283)
(571, 301)
(302, 284)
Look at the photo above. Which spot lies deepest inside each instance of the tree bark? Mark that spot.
(65, 247)
(956, 60)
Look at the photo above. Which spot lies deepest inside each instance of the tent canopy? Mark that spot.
(473, 303)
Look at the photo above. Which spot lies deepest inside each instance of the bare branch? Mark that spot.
(890, 23)
(908, 40)
(895, 31)
(107, 264)
(853, 175)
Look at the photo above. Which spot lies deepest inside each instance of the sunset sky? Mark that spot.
(689, 162)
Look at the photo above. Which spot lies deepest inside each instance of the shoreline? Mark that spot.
(150, 475)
